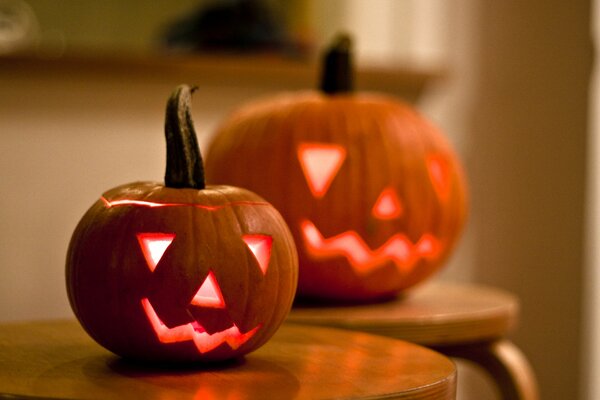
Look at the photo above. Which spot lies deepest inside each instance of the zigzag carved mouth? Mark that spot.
(398, 249)
(193, 331)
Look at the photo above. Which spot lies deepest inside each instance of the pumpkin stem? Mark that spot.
(185, 168)
(337, 75)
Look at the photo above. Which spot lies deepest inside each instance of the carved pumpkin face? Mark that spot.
(184, 271)
(373, 193)
(320, 163)
(180, 274)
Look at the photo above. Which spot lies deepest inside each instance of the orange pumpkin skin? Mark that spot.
(108, 274)
(181, 271)
(386, 145)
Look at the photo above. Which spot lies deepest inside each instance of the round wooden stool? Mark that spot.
(58, 360)
(459, 320)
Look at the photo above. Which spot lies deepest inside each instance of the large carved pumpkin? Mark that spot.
(181, 271)
(372, 192)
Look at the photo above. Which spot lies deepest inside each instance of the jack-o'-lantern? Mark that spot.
(181, 271)
(372, 192)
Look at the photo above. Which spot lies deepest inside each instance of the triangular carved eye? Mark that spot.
(320, 163)
(154, 246)
(260, 246)
(209, 294)
(439, 174)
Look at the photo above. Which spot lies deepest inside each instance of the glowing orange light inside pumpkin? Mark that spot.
(260, 246)
(428, 246)
(209, 294)
(439, 174)
(154, 246)
(388, 205)
(398, 249)
(203, 340)
(153, 204)
(320, 163)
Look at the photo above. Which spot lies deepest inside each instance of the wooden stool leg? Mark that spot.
(505, 363)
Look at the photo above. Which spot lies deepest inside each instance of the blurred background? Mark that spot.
(83, 86)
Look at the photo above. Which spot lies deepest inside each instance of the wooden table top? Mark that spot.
(57, 359)
(436, 314)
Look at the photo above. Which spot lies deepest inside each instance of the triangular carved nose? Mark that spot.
(388, 205)
(209, 294)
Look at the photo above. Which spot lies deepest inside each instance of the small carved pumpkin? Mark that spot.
(372, 192)
(181, 271)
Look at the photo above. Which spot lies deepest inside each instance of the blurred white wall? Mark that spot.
(591, 310)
